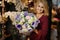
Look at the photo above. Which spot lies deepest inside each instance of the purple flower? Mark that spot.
(18, 17)
(25, 25)
(19, 26)
(31, 14)
(30, 30)
(37, 21)
(33, 23)
(25, 13)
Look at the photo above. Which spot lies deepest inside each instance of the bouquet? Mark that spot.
(25, 22)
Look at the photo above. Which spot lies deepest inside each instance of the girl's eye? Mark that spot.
(42, 7)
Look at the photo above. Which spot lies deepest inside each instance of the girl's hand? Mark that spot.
(36, 31)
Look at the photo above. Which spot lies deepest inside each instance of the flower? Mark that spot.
(21, 23)
(28, 17)
(38, 21)
(24, 30)
(22, 20)
(31, 14)
(26, 25)
(34, 24)
(18, 18)
(23, 26)
(25, 13)
(26, 22)
(30, 29)
(19, 27)
(22, 14)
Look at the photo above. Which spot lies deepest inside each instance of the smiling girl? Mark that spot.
(41, 31)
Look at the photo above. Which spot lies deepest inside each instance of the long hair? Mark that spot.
(44, 2)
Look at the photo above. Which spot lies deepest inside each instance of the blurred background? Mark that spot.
(52, 6)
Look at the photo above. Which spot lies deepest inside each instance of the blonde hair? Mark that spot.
(44, 2)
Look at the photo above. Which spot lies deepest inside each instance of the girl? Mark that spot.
(41, 31)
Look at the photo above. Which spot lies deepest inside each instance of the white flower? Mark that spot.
(28, 26)
(23, 20)
(22, 14)
(21, 23)
(24, 30)
(23, 27)
(30, 21)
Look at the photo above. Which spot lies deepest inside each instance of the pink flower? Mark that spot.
(28, 17)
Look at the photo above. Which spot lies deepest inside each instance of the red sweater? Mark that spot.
(42, 29)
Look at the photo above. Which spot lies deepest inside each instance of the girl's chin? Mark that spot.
(39, 11)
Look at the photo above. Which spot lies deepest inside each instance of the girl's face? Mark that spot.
(39, 8)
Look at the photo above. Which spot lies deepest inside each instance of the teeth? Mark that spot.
(30, 0)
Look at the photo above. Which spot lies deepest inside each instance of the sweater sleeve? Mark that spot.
(44, 25)
(42, 32)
